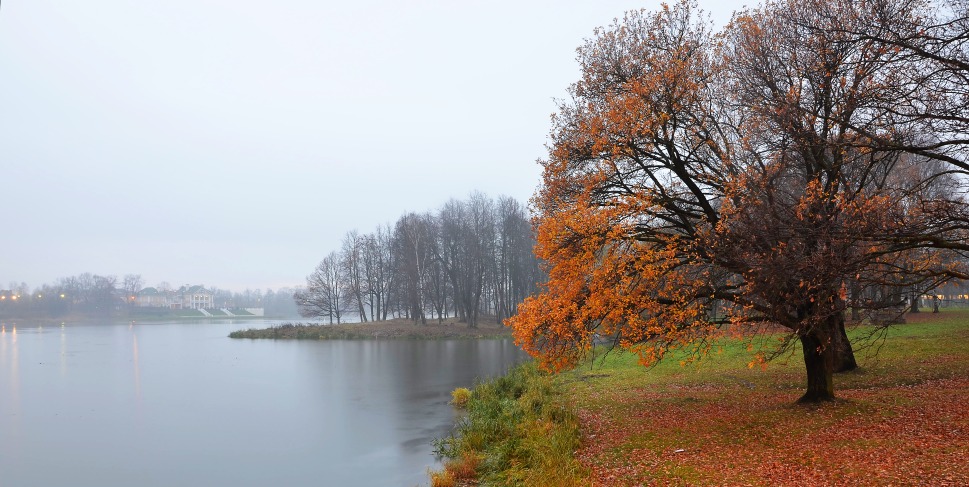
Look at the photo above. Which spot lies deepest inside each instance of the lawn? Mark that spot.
(902, 419)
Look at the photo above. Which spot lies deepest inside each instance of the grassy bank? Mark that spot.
(394, 329)
(901, 419)
(518, 431)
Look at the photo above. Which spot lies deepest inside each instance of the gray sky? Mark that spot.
(234, 143)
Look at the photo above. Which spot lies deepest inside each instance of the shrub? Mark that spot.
(460, 396)
(443, 478)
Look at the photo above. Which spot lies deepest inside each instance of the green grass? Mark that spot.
(517, 432)
(882, 357)
(395, 329)
(188, 313)
(722, 411)
(734, 424)
(137, 312)
(288, 330)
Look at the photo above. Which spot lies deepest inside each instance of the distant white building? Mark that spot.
(186, 297)
(196, 297)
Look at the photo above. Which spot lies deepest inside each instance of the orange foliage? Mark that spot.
(699, 181)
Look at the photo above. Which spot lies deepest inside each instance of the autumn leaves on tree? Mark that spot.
(808, 159)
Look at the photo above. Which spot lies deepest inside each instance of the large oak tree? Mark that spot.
(700, 180)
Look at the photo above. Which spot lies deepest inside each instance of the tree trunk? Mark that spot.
(844, 355)
(855, 302)
(915, 303)
(818, 360)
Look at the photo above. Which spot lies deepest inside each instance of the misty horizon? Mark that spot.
(234, 146)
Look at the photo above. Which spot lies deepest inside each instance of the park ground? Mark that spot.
(901, 419)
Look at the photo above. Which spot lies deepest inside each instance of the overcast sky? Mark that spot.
(234, 143)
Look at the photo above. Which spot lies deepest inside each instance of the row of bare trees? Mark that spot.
(83, 293)
(277, 303)
(469, 259)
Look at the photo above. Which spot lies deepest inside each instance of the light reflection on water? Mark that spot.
(181, 404)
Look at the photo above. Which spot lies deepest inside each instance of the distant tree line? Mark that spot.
(88, 294)
(275, 303)
(470, 259)
(100, 295)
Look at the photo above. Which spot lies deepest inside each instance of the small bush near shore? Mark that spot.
(444, 478)
(460, 396)
(456, 472)
(517, 432)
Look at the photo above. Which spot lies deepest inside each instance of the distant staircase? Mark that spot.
(227, 312)
(206, 313)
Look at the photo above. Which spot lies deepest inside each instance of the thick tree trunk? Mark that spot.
(818, 360)
(844, 355)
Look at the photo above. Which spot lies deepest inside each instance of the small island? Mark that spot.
(399, 328)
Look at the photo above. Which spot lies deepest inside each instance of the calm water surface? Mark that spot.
(166, 404)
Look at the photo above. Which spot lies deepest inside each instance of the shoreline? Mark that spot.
(398, 328)
(611, 422)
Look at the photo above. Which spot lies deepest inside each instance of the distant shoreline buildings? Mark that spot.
(186, 297)
(95, 295)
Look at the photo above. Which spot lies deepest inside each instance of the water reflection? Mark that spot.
(11, 353)
(10, 360)
(398, 392)
(181, 404)
(134, 361)
(63, 354)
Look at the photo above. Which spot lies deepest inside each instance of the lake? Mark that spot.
(165, 404)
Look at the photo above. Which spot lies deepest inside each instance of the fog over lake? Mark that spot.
(120, 404)
(249, 136)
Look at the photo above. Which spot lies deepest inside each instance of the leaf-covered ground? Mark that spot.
(902, 419)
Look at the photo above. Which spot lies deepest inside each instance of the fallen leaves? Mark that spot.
(740, 437)
(904, 421)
